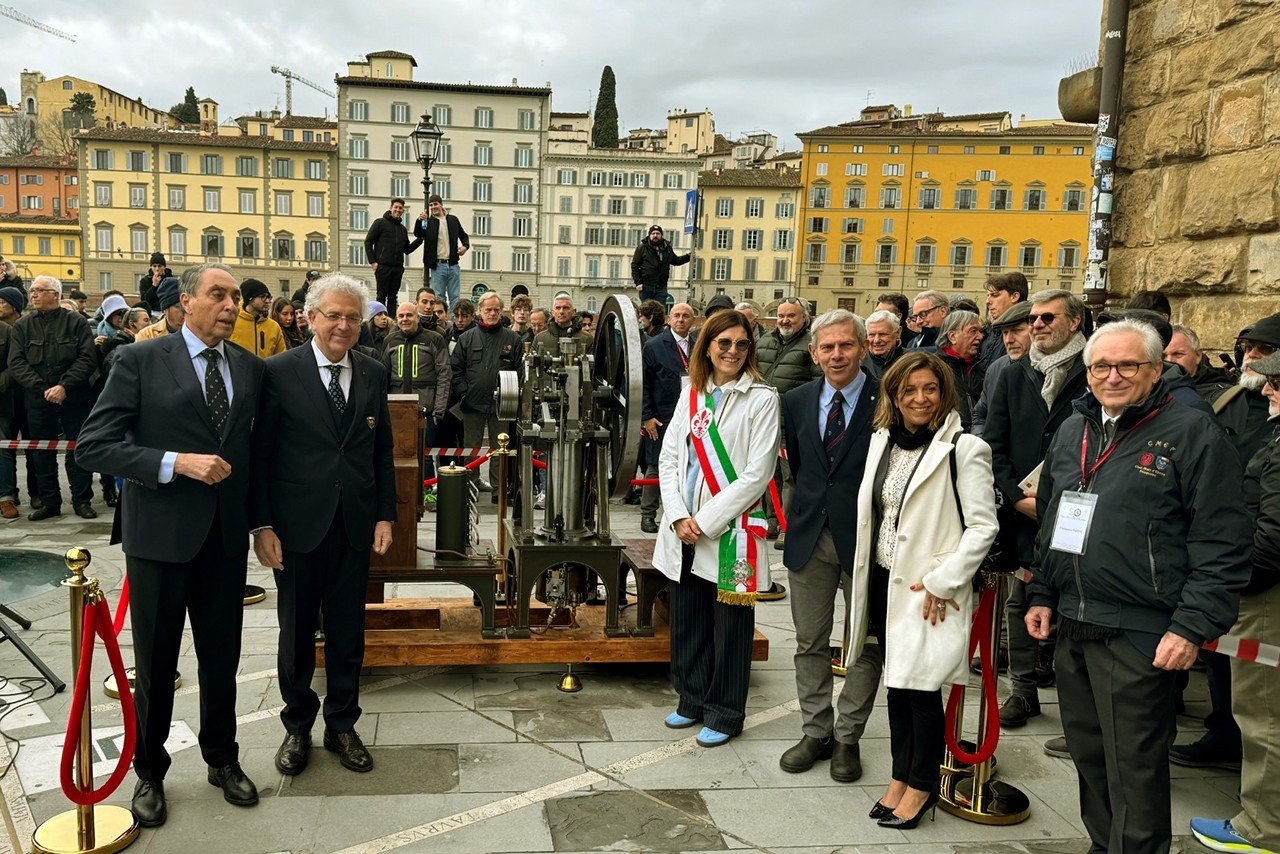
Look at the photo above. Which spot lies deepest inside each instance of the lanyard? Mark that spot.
(684, 360)
(1086, 476)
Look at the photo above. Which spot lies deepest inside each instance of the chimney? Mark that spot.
(907, 107)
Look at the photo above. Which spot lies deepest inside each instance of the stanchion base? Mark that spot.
(111, 690)
(254, 594)
(1002, 804)
(115, 829)
(837, 655)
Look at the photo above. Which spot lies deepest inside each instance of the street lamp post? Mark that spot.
(426, 147)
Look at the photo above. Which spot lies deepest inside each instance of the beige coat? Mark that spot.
(933, 547)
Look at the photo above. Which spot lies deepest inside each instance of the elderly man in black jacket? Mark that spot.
(481, 352)
(385, 245)
(1140, 558)
(651, 265)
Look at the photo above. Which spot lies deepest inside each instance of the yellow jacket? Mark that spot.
(159, 329)
(262, 338)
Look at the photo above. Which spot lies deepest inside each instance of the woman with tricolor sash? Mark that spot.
(716, 462)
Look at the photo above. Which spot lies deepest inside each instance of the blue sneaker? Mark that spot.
(1219, 835)
(709, 737)
(675, 720)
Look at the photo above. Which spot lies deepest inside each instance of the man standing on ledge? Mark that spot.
(174, 422)
(323, 494)
(651, 265)
(385, 245)
(443, 243)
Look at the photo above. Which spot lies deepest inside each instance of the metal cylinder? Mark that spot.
(452, 511)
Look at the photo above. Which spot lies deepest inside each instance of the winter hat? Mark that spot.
(376, 308)
(1266, 330)
(112, 304)
(655, 227)
(167, 293)
(1017, 313)
(312, 275)
(251, 288)
(716, 303)
(14, 297)
(1267, 366)
(156, 258)
(1153, 319)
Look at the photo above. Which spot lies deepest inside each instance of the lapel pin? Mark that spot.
(369, 421)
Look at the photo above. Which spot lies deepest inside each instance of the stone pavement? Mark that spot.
(496, 759)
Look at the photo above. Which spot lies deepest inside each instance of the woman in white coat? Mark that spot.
(926, 518)
(717, 458)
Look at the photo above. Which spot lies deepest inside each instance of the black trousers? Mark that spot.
(710, 652)
(915, 736)
(388, 283)
(210, 588)
(47, 421)
(1117, 715)
(1220, 725)
(331, 580)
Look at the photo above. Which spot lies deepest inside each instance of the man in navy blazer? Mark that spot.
(665, 360)
(323, 494)
(827, 429)
(174, 421)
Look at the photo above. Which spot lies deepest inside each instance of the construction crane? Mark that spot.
(289, 77)
(10, 12)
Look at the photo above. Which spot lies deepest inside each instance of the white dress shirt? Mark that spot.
(322, 365)
(199, 364)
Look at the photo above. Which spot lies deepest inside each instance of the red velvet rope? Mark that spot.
(97, 619)
(122, 608)
(474, 464)
(979, 639)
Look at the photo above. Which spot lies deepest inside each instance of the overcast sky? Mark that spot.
(779, 66)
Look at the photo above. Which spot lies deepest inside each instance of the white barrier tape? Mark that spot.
(456, 452)
(36, 445)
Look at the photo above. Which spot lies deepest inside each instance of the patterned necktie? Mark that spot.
(335, 388)
(1108, 433)
(835, 425)
(215, 391)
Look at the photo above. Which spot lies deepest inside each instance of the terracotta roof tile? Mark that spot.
(200, 139)
(383, 82)
(750, 178)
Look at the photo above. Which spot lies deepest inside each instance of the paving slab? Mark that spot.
(567, 725)
(633, 821)
(457, 727)
(404, 770)
(514, 767)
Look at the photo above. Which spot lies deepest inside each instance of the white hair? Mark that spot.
(336, 283)
(839, 317)
(1151, 343)
(883, 316)
(56, 284)
(488, 295)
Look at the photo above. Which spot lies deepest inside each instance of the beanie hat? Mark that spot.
(14, 297)
(1153, 319)
(655, 227)
(1266, 330)
(376, 308)
(251, 288)
(156, 258)
(112, 304)
(312, 275)
(716, 303)
(167, 293)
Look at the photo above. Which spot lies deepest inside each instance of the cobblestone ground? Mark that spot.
(496, 759)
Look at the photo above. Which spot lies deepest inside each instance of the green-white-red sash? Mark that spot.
(739, 555)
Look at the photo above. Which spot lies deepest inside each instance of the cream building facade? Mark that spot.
(489, 171)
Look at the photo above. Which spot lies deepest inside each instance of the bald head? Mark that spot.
(680, 318)
(407, 317)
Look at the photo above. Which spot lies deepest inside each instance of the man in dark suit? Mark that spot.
(828, 428)
(174, 420)
(323, 493)
(665, 361)
(441, 248)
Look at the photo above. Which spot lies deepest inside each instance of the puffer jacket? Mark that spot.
(262, 337)
(419, 364)
(1168, 549)
(786, 364)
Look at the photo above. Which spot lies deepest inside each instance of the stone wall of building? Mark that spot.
(1198, 184)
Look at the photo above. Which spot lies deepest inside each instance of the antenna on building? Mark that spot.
(868, 104)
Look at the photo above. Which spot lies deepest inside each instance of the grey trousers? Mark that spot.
(814, 588)
(1255, 699)
(1117, 715)
(474, 427)
(1022, 647)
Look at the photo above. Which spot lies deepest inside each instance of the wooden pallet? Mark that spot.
(458, 640)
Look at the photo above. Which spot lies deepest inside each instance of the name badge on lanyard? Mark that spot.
(1071, 527)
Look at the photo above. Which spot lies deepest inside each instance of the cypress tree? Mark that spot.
(604, 127)
(187, 112)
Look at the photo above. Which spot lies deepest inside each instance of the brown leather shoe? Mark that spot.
(8, 510)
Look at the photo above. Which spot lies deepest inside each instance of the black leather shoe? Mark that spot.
(930, 806)
(84, 510)
(45, 512)
(800, 757)
(846, 762)
(649, 526)
(1017, 710)
(236, 788)
(879, 811)
(350, 749)
(293, 754)
(148, 803)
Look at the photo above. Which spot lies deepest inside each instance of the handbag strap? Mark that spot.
(955, 490)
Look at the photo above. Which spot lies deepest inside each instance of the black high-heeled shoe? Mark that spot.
(930, 806)
(879, 811)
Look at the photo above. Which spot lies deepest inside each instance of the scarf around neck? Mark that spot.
(1054, 366)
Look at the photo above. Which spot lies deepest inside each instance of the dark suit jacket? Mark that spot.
(825, 493)
(430, 236)
(662, 372)
(302, 466)
(152, 403)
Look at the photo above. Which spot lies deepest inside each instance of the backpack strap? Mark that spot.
(1226, 397)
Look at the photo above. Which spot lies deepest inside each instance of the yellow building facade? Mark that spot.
(261, 205)
(42, 246)
(745, 247)
(46, 102)
(901, 203)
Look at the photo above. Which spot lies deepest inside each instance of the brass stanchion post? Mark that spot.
(80, 830)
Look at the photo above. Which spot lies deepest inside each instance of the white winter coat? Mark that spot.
(748, 419)
(934, 547)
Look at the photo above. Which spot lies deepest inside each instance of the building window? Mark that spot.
(247, 167)
(616, 235)
(1069, 257)
(852, 225)
(894, 149)
(929, 198)
(563, 267)
(315, 204)
(522, 225)
(855, 169)
(785, 210)
(969, 149)
(1077, 150)
(752, 239)
(522, 193)
(926, 253)
(724, 208)
(890, 197)
(284, 204)
(818, 224)
(886, 225)
(212, 199)
(617, 179)
(102, 158)
(211, 164)
(442, 185)
(966, 199)
(1073, 200)
(931, 149)
(69, 248)
(525, 120)
(886, 254)
(722, 238)
(484, 117)
(595, 204)
(315, 170)
(138, 241)
(521, 260)
(248, 202)
(821, 169)
(317, 250)
(247, 246)
(177, 162)
(102, 195)
(481, 223)
(358, 146)
(782, 239)
(524, 157)
(566, 177)
(482, 154)
(595, 235)
(565, 234)
(104, 240)
(137, 196)
(482, 190)
(400, 114)
(640, 179)
(399, 185)
(177, 242)
(358, 219)
(443, 114)
(893, 170)
(358, 111)
(755, 208)
(1029, 258)
(480, 258)
(672, 181)
(1001, 199)
(359, 183)
(137, 161)
(400, 150)
(444, 153)
(671, 208)
(816, 253)
(986, 175)
(1037, 149)
(595, 179)
(995, 258)
(282, 167)
(851, 254)
(617, 207)
(566, 204)
(855, 197)
(282, 248)
(820, 197)
(960, 255)
(1033, 200)
(720, 269)
(177, 198)
(780, 269)
(1004, 149)
(637, 207)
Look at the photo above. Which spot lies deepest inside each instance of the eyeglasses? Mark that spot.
(42, 290)
(1264, 349)
(1127, 370)
(336, 318)
(742, 345)
(921, 315)
(1047, 318)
